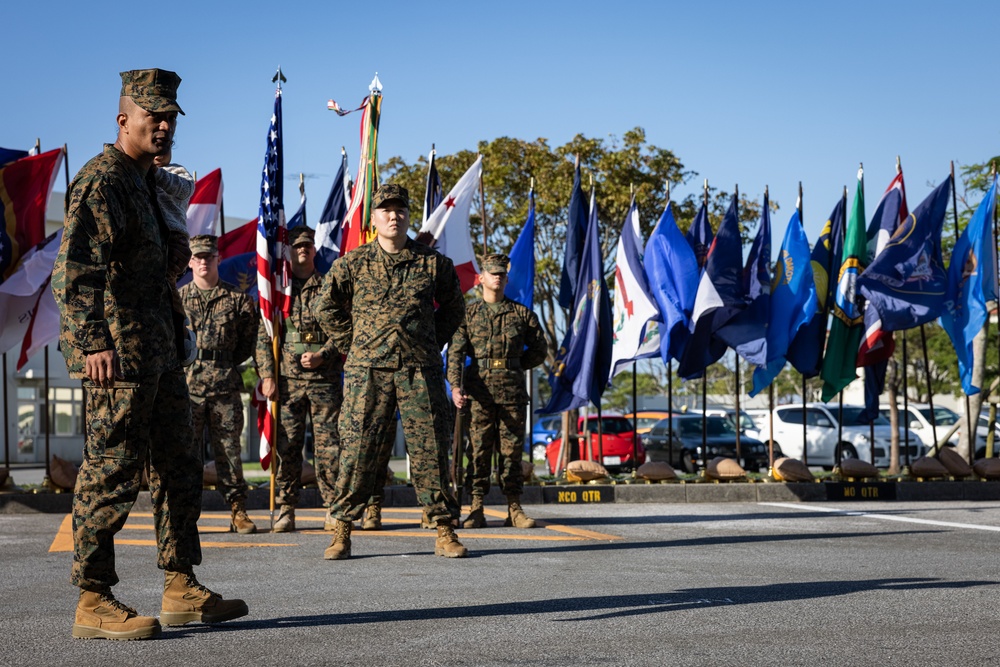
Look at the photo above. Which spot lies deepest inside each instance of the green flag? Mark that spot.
(839, 363)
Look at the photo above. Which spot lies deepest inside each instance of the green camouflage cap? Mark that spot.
(496, 263)
(301, 234)
(390, 192)
(204, 243)
(152, 89)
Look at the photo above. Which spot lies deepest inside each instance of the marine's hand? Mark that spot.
(269, 388)
(458, 398)
(103, 368)
(311, 360)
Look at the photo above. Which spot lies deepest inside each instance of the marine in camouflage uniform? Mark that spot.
(378, 303)
(315, 391)
(117, 335)
(503, 340)
(224, 320)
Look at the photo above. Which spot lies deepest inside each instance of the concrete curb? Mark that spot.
(726, 492)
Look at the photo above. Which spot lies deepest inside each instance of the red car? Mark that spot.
(615, 445)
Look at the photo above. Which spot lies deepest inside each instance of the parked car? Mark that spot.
(545, 430)
(646, 419)
(922, 429)
(614, 447)
(746, 423)
(824, 449)
(684, 449)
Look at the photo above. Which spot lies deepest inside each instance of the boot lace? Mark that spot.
(111, 601)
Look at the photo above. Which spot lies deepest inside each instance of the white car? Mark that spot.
(922, 429)
(747, 425)
(824, 448)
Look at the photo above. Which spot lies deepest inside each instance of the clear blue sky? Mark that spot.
(749, 93)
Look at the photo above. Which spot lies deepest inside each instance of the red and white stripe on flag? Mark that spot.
(206, 202)
(274, 279)
(447, 228)
(265, 424)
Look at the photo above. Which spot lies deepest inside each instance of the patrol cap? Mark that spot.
(390, 192)
(152, 89)
(204, 243)
(301, 235)
(496, 263)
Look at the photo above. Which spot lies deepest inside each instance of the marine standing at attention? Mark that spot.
(378, 303)
(503, 340)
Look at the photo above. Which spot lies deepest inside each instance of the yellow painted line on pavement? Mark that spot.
(586, 534)
(63, 540)
(215, 545)
(461, 534)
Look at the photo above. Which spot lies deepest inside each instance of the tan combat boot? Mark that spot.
(240, 522)
(425, 521)
(329, 523)
(186, 600)
(340, 546)
(100, 616)
(373, 517)
(286, 520)
(516, 516)
(476, 518)
(447, 543)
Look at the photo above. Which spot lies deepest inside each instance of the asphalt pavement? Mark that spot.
(604, 584)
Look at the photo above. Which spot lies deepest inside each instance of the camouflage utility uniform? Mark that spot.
(315, 392)
(225, 323)
(109, 282)
(380, 307)
(503, 340)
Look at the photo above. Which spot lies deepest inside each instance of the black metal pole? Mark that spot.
(635, 423)
(6, 418)
(840, 427)
(805, 433)
(670, 411)
(906, 408)
(968, 404)
(738, 389)
(930, 394)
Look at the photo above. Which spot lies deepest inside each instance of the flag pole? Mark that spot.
(704, 383)
(222, 215)
(968, 405)
(906, 412)
(670, 387)
(805, 438)
(482, 207)
(770, 429)
(996, 286)
(530, 374)
(279, 78)
(736, 354)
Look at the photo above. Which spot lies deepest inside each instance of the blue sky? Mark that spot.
(751, 93)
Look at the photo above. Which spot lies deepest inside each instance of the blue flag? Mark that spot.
(907, 282)
(719, 297)
(576, 230)
(330, 226)
(971, 283)
(8, 155)
(521, 276)
(699, 235)
(747, 332)
(805, 353)
(671, 269)
(584, 360)
(793, 301)
(299, 219)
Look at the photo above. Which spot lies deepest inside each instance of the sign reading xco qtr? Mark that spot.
(576, 495)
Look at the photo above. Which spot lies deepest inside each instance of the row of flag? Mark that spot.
(680, 297)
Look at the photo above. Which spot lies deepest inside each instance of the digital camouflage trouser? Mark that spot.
(223, 414)
(371, 396)
(321, 401)
(496, 428)
(129, 426)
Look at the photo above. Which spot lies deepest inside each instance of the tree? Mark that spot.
(619, 395)
(614, 164)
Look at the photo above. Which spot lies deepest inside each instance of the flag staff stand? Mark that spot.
(968, 405)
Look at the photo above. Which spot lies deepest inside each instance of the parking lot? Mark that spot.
(609, 584)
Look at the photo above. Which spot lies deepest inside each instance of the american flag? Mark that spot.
(273, 255)
(274, 282)
(265, 424)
